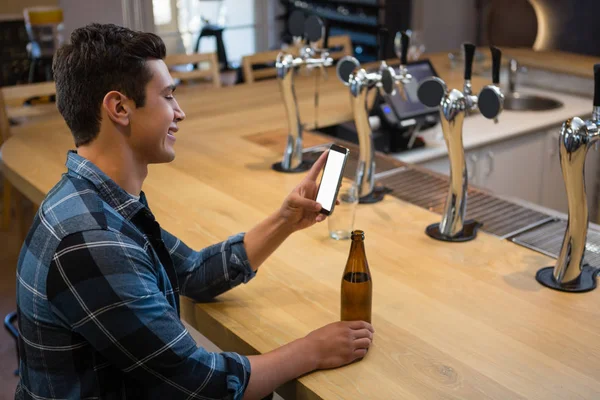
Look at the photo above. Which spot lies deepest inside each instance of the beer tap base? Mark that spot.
(468, 233)
(585, 283)
(305, 166)
(375, 196)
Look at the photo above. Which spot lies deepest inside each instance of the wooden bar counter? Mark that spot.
(452, 321)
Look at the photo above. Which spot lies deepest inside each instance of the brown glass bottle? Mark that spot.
(357, 286)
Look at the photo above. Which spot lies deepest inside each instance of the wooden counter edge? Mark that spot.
(24, 187)
(225, 339)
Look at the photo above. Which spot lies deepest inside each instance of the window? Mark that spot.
(179, 23)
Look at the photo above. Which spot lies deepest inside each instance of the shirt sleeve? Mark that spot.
(106, 288)
(212, 271)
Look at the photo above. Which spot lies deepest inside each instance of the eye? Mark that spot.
(169, 97)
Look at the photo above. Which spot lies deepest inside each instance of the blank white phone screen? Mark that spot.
(329, 181)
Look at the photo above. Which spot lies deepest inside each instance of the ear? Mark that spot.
(118, 107)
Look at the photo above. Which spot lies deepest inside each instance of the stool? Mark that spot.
(215, 31)
(44, 27)
(9, 322)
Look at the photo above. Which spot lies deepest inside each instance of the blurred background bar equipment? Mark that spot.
(454, 105)
(360, 83)
(577, 136)
(306, 32)
(45, 30)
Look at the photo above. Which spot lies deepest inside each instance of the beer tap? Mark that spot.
(360, 83)
(454, 105)
(577, 136)
(306, 32)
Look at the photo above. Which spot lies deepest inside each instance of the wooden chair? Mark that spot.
(212, 72)
(340, 46)
(266, 59)
(12, 106)
(45, 32)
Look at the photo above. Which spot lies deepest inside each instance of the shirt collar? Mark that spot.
(110, 192)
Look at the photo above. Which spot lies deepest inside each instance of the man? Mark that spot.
(99, 280)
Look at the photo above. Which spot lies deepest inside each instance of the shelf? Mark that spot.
(359, 19)
(333, 15)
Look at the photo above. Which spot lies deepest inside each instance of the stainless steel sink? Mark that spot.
(525, 102)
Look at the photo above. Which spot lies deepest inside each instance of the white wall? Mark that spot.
(445, 24)
(272, 28)
(134, 14)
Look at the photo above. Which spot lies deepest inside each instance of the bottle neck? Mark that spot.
(357, 245)
(357, 253)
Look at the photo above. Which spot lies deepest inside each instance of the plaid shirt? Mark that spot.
(98, 286)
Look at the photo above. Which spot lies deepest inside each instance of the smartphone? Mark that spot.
(331, 179)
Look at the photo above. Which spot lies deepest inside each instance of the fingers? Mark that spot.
(363, 333)
(360, 325)
(360, 353)
(320, 218)
(317, 167)
(363, 343)
(307, 204)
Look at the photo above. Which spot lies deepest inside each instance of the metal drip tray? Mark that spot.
(547, 239)
(418, 188)
(499, 217)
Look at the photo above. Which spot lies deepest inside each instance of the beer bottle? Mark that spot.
(357, 287)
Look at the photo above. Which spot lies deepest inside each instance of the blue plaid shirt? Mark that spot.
(98, 286)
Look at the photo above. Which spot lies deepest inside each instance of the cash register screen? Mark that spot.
(412, 107)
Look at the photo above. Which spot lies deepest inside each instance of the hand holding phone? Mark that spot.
(332, 178)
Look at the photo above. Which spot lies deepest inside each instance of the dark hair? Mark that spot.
(101, 58)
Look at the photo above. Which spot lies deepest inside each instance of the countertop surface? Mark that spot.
(452, 321)
(479, 131)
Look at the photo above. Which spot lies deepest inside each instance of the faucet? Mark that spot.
(576, 137)
(454, 105)
(287, 65)
(360, 83)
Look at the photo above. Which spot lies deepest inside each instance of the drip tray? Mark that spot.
(547, 239)
(499, 217)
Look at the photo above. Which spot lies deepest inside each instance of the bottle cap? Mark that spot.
(358, 234)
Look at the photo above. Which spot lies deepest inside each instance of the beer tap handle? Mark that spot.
(469, 54)
(382, 39)
(597, 85)
(401, 42)
(496, 59)
(326, 37)
(431, 91)
(313, 29)
(491, 99)
(345, 68)
(596, 108)
(388, 80)
(296, 25)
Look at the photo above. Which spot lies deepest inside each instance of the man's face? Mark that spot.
(153, 126)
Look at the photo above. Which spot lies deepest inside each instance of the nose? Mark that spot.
(179, 114)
